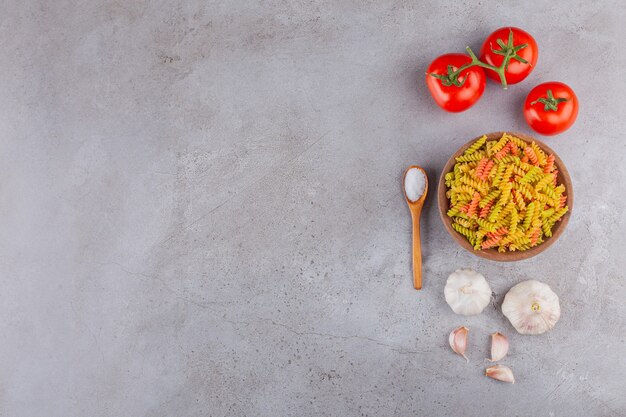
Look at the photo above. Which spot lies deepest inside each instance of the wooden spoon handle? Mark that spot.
(417, 251)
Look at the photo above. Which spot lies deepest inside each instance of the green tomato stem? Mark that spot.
(508, 51)
(550, 103)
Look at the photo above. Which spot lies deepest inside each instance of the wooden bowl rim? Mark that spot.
(493, 254)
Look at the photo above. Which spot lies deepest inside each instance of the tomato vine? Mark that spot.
(508, 50)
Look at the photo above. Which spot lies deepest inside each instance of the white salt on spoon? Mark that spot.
(414, 183)
(415, 190)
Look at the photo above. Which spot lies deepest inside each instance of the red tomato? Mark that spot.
(551, 108)
(451, 97)
(509, 40)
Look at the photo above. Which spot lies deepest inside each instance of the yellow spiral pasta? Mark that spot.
(498, 146)
(476, 156)
(489, 197)
(504, 194)
(476, 146)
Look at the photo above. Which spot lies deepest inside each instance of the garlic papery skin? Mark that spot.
(458, 341)
(531, 307)
(499, 346)
(467, 292)
(501, 373)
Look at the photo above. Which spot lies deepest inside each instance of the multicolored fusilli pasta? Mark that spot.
(504, 194)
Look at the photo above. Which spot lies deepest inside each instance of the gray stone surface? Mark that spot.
(201, 211)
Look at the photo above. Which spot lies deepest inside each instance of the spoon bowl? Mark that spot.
(415, 207)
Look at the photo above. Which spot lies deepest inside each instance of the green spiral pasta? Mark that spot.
(469, 234)
(553, 193)
(514, 220)
(505, 193)
(528, 217)
(525, 190)
(531, 175)
(499, 175)
(511, 159)
(557, 214)
(486, 199)
(543, 183)
(495, 213)
(546, 200)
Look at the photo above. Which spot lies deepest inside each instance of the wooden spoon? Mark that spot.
(416, 211)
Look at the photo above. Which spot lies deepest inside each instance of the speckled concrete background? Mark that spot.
(201, 211)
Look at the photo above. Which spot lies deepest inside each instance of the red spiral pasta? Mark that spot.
(504, 151)
(487, 170)
(481, 167)
(531, 155)
(485, 210)
(499, 232)
(491, 242)
(549, 164)
(473, 205)
(535, 236)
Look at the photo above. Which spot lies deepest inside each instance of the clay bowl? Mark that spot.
(492, 254)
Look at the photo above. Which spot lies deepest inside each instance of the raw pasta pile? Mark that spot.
(504, 194)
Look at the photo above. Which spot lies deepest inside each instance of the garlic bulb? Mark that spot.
(531, 307)
(467, 292)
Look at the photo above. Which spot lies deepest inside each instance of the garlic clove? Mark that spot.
(499, 346)
(458, 341)
(501, 373)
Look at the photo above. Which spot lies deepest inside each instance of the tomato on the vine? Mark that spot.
(463, 90)
(515, 45)
(551, 108)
